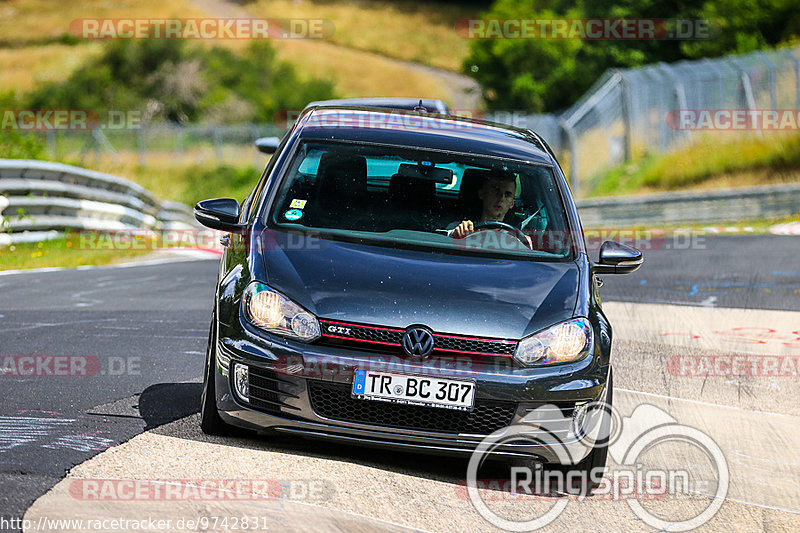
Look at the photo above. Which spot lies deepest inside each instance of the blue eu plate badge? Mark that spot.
(359, 379)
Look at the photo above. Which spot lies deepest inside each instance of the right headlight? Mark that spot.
(274, 312)
(563, 343)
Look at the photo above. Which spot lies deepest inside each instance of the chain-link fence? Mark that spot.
(625, 114)
(634, 111)
(156, 143)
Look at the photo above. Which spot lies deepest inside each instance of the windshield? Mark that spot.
(396, 196)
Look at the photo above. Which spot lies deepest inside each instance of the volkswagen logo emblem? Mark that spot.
(418, 342)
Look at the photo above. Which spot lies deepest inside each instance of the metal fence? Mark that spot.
(40, 198)
(625, 114)
(634, 111)
(151, 143)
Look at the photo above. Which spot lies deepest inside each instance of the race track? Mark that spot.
(141, 333)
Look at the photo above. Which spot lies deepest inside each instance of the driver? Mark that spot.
(497, 197)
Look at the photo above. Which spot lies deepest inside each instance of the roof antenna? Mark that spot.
(420, 108)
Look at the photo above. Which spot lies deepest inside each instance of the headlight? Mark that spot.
(563, 343)
(273, 312)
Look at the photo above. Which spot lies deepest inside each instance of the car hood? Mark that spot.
(449, 293)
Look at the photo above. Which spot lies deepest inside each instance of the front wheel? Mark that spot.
(595, 461)
(210, 421)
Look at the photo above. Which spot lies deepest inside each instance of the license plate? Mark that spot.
(415, 390)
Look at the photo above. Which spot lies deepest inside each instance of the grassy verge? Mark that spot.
(65, 251)
(182, 180)
(712, 162)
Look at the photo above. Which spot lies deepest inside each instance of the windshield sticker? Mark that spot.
(293, 214)
(298, 204)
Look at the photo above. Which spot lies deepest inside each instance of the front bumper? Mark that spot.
(303, 390)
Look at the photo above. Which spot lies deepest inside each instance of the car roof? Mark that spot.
(432, 105)
(422, 130)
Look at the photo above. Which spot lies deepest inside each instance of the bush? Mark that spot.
(15, 145)
(170, 80)
(223, 181)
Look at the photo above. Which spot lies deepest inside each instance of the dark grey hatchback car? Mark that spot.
(411, 281)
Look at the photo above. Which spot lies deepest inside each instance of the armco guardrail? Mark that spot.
(40, 196)
(692, 207)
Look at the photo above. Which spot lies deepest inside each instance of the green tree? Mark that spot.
(549, 75)
(743, 26)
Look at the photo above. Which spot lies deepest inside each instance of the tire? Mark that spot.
(599, 454)
(210, 421)
(595, 459)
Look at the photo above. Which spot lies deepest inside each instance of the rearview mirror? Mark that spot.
(616, 258)
(219, 213)
(425, 172)
(268, 145)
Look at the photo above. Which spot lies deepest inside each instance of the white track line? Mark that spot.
(706, 404)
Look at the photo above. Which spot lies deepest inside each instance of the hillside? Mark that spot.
(378, 48)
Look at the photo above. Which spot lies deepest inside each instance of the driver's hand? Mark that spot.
(462, 230)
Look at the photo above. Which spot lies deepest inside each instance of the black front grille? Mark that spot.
(378, 338)
(268, 391)
(479, 346)
(361, 333)
(333, 401)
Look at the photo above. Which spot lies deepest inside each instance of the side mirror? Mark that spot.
(219, 213)
(616, 258)
(268, 145)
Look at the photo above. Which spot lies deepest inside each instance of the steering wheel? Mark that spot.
(487, 225)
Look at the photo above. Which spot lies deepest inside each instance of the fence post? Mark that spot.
(572, 142)
(625, 100)
(50, 139)
(796, 76)
(680, 94)
(217, 145)
(179, 145)
(254, 132)
(771, 67)
(140, 141)
(747, 89)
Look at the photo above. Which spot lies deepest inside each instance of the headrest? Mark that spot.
(341, 176)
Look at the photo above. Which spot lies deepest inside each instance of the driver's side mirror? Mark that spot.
(616, 258)
(219, 213)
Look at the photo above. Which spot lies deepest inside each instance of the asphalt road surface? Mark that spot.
(743, 271)
(130, 337)
(131, 341)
